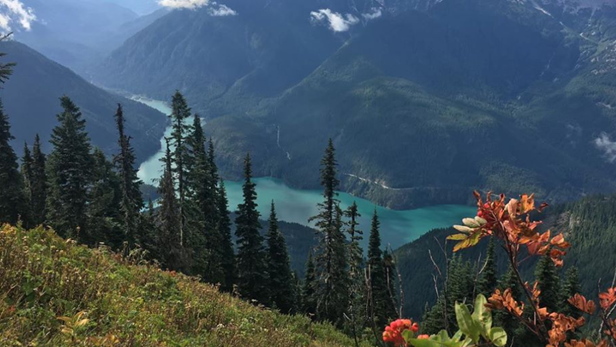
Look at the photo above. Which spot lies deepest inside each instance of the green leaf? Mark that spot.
(407, 335)
(482, 315)
(465, 321)
(498, 336)
(470, 222)
(457, 237)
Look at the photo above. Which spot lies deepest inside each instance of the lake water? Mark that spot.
(294, 205)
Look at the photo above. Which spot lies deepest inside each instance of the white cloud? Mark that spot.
(15, 11)
(373, 14)
(222, 11)
(607, 146)
(190, 4)
(337, 22)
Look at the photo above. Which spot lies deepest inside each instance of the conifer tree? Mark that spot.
(251, 256)
(12, 196)
(281, 281)
(38, 184)
(356, 316)
(570, 287)
(69, 173)
(331, 259)
(104, 204)
(169, 244)
(226, 246)
(179, 115)
(309, 301)
(549, 284)
(389, 264)
(131, 202)
(489, 277)
(26, 174)
(380, 301)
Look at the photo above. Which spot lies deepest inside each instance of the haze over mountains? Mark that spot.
(437, 88)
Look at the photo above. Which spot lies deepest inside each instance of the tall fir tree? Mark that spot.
(331, 262)
(131, 202)
(104, 205)
(570, 287)
(380, 307)
(356, 317)
(226, 248)
(69, 173)
(38, 184)
(27, 164)
(251, 256)
(281, 282)
(180, 113)
(309, 300)
(549, 284)
(202, 205)
(489, 276)
(171, 251)
(12, 195)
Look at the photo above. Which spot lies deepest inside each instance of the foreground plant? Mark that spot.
(510, 222)
(475, 330)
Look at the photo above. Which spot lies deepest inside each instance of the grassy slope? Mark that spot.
(43, 277)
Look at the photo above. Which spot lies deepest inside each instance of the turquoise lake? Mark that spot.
(294, 205)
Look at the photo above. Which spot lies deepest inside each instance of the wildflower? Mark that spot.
(394, 332)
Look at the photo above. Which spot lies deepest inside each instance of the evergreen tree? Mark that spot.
(169, 244)
(179, 115)
(309, 300)
(131, 202)
(12, 197)
(69, 173)
(435, 318)
(104, 204)
(226, 247)
(251, 256)
(331, 262)
(27, 175)
(381, 301)
(38, 184)
(549, 284)
(569, 289)
(356, 317)
(489, 277)
(281, 281)
(391, 277)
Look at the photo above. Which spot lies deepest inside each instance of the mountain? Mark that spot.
(31, 99)
(141, 7)
(78, 33)
(112, 301)
(588, 224)
(426, 100)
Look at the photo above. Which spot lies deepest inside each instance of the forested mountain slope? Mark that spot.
(32, 100)
(521, 87)
(588, 224)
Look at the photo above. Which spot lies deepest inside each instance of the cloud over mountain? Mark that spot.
(15, 11)
(190, 4)
(337, 22)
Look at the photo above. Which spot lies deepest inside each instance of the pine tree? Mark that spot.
(281, 281)
(489, 277)
(226, 246)
(569, 289)
(27, 175)
(131, 202)
(309, 300)
(104, 205)
(179, 115)
(251, 256)
(331, 261)
(169, 244)
(549, 284)
(356, 317)
(69, 173)
(38, 184)
(389, 264)
(380, 300)
(12, 197)
(6, 69)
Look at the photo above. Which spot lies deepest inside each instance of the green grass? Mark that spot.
(56, 293)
